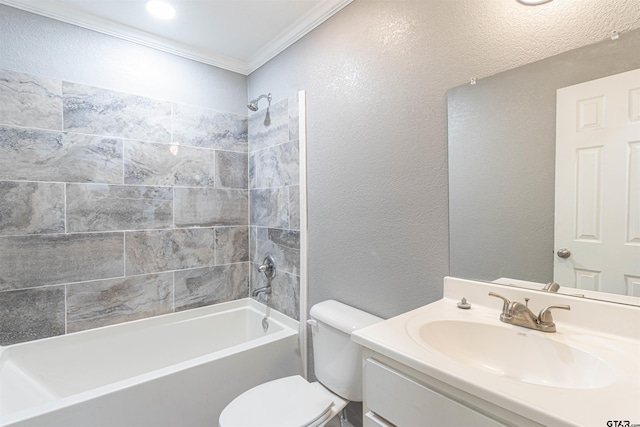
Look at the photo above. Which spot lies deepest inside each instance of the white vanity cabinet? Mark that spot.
(442, 366)
(398, 396)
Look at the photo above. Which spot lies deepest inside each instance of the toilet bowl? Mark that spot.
(295, 402)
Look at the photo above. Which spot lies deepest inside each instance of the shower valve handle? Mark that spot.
(268, 267)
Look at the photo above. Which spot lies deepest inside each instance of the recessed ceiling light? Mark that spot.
(160, 9)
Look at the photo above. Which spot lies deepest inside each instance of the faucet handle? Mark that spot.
(268, 267)
(545, 320)
(505, 305)
(545, 313)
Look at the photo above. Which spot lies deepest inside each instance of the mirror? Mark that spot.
(502, 163)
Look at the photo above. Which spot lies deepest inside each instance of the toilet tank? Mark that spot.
(338, 360)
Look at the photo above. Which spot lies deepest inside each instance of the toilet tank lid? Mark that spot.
(341, 316)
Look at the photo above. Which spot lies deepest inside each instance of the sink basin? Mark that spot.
(516, 353)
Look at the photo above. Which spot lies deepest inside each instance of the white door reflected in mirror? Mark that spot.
(597, 207)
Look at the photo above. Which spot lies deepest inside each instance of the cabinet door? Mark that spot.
(404, 402)
(372, 420)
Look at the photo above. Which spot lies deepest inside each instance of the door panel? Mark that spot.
(597, 212)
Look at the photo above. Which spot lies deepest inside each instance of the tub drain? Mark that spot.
(265, 324)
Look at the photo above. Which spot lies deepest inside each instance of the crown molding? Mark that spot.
(295, 32)
(62, 12)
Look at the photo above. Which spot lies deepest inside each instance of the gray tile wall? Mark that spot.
(274, 199)
(115, 207)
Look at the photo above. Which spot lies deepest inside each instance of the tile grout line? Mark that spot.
(66, 225)
(66, 310)
(192, 187)
(152, 273)
(124, 151)
(173, 277)
(142, 230)
(124, 254)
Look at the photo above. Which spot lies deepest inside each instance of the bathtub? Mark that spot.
(180, 369)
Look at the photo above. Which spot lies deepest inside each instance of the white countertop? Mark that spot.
(610, 332)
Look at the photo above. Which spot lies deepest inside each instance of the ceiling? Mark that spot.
(237, 35)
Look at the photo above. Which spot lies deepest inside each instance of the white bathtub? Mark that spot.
(175, 370)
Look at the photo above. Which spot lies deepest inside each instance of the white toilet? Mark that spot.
(294, 402)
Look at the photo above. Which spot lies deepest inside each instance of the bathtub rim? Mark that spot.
(177, 316)
(290, 328)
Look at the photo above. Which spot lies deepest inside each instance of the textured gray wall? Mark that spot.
(44, 47)
(376, 76)
(502, 141)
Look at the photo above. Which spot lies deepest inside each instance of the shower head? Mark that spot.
(253, 104)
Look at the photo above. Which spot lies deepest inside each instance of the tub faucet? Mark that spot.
(262, 290)
(519, 314)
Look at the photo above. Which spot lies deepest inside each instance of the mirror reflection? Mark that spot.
(506, 216)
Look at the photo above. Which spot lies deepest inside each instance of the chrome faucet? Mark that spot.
(268, 267)
(519, 314)
(551, 287)
(262, 290)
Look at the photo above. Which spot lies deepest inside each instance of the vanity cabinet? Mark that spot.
(441, 366)
(395, 399)
(398, 396)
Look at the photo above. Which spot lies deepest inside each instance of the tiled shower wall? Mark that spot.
(115, 207)
(274, 194)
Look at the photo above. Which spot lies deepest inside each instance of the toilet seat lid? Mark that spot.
(290, 402)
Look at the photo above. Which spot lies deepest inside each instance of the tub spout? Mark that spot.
(263, 290)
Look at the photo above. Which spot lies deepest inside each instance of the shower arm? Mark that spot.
(263, 96)
(253, 104)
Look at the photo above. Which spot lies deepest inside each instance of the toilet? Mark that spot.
(295, 402)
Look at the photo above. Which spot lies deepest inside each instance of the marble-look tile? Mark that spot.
(277, 166)
(253, 171)
(286, 256)
(257, 234)
(30, 261)
(232, 244)
(286, 238)
(201, 127)
(269, 207)
(97, 111)
(294, 117)
(164, 250)
(102, 207)
(36, 155)
(206, 207)
(211, 285)
(294, 207)
(107, 302)
(30, 101)
(31, 314)
(285, 292)
(231, 169)
(262, 233)
(31, 208)
(269, 127)
(163, 164)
